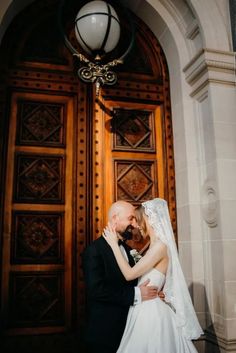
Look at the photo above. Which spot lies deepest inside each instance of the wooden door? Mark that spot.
(130, 159)
(46, 199)
(37, 236)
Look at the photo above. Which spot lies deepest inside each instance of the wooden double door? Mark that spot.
(62, 174)
(67, 155)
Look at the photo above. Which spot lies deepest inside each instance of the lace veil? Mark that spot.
(175, 288)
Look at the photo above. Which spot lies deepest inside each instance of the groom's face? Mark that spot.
(126, 221)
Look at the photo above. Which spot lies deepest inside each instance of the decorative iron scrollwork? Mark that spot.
(100, 74)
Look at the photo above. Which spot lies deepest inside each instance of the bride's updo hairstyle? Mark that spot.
(139, 213)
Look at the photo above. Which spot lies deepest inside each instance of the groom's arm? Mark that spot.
(98, 287)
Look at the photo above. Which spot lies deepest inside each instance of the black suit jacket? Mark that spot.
(109, 295)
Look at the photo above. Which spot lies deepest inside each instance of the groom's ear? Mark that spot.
(113, 220)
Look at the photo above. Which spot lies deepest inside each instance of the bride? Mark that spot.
(157, 326)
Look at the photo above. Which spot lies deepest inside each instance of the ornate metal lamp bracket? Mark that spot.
(97, 73)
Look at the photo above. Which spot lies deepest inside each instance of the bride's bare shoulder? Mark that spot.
(159, 247)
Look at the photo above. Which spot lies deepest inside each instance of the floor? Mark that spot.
(56, 343)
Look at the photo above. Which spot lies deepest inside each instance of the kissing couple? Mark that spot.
(126, 311)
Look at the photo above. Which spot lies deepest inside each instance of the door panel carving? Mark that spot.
(133, 130)
(39, 178)
(37, 237)
(36, 299)
(135, 180)
(41, 124)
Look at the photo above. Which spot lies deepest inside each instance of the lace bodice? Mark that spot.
(156, 278)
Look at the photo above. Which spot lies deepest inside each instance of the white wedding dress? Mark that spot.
(151, 326)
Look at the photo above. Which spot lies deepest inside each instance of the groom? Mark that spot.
(109, 295)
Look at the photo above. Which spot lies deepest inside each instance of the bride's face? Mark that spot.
(141, 222)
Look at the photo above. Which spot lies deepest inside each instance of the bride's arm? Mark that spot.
(147, 262)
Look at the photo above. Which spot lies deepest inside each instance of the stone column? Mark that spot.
(211, 75)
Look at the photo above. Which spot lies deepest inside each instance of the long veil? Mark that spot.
(175, 288)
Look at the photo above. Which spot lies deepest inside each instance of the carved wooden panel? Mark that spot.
(135, 92)
(37, 237)
(38, 79)
(135, 180)
(133, 130)
(36, 299)
(39, 178)
(41, 124)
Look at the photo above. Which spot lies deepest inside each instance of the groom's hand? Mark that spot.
(148, 292)
(161, 295)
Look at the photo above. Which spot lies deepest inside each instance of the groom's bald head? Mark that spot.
(122, 215)
(119, 207)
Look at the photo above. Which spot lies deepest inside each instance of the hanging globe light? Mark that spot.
(97, 28)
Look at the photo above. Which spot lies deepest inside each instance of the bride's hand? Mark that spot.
(110, 235)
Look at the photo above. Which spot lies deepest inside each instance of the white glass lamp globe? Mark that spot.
(97, 27)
